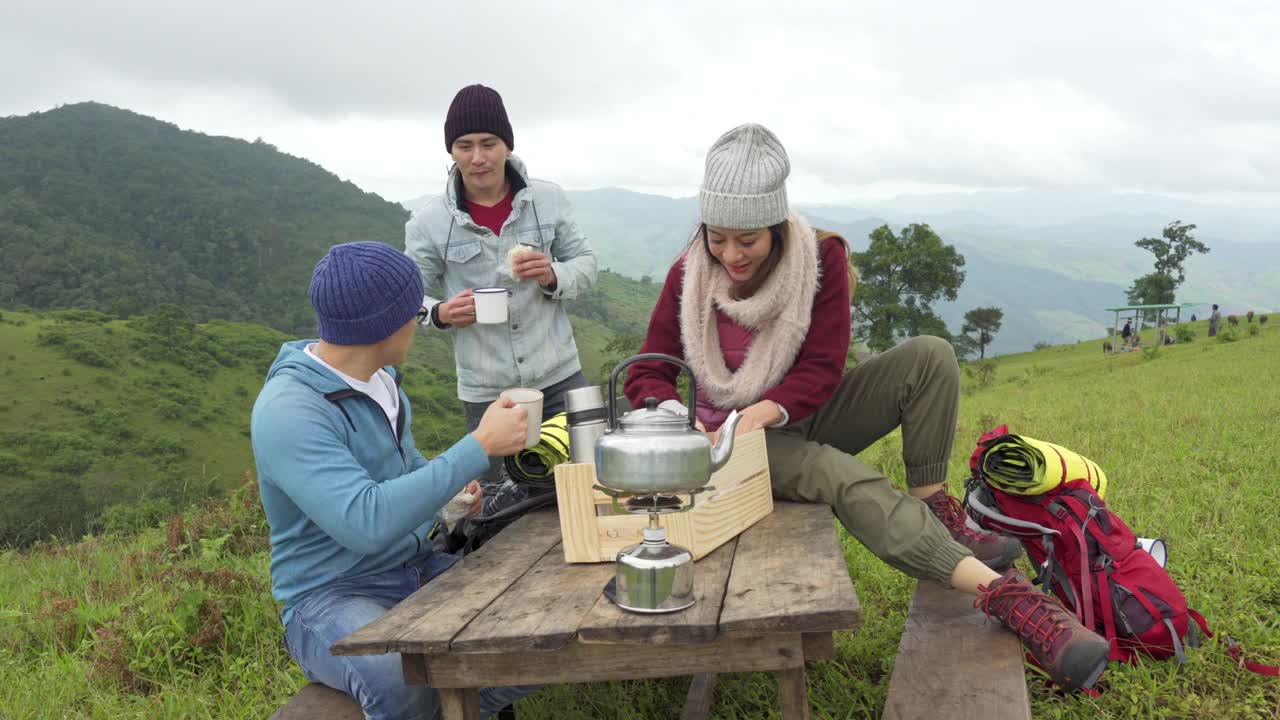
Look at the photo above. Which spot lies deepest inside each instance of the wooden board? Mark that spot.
(318, 702)
(742, 495)
(580, 662)
(794, 694)
(789, 575)
(460, 704)
(540, 611)
(951, 656)
(428, 620)
(607, 623)
(701, 696)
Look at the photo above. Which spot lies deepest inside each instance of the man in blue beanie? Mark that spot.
(348, 497)
(495, 225)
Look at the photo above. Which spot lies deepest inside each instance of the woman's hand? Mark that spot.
(761, 415)
(713, 436)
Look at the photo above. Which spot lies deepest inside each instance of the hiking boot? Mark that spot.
(1073, 655)
(995, 551)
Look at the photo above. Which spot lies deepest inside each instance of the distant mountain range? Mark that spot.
(1052, 261)
(106, 209)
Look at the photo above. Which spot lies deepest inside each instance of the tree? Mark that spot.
(1171, 250)
(1152, 289)
(985, 321)
(964, 346)
(900, 277)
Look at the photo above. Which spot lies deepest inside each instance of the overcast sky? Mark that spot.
(870, 99)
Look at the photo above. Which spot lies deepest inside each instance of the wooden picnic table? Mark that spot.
(515, 613)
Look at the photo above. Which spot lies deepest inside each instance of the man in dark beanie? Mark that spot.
(494, 226)
(348, 497)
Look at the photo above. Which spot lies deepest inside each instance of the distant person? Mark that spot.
(461, 240)
(1193, 317)
(1126, 332)
(758, 306)
(349, 499)
(1215, 319)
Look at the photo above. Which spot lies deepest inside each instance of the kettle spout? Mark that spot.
(724, 448)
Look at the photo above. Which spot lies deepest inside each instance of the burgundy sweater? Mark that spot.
(818, 367)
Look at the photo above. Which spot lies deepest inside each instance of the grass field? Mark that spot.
(177, 621)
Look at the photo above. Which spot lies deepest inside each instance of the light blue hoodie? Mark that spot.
(345, 493)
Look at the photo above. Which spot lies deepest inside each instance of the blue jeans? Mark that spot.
(376, 681)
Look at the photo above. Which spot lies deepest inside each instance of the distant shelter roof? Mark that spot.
(1174, 306)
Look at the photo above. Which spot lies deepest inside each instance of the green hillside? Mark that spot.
(106, 215)
(152, 413)
(176, 621)
(145, 415)
(103, 208)
(106, 209)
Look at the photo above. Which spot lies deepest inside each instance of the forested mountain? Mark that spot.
(125, 246)
(105, 209)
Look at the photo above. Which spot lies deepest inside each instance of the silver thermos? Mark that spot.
(587, 416)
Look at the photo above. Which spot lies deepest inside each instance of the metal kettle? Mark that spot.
(655, 451)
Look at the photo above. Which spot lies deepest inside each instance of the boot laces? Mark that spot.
(949, 510)
(1031, 614)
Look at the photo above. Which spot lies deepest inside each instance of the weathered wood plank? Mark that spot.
(819, 646)
(414, 669)
(427, 620)
(793, 693)
(789, 575)
(607, 623)
(742, 495)
(318, 702)
(697, 703)
(951, 656)
(540, 611)
(460, 703)
(580, 662)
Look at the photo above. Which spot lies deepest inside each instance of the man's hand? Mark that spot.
(459, 310)
(533, 265)
(477, 492)
(504, 429)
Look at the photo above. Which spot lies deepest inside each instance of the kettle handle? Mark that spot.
(613, 383)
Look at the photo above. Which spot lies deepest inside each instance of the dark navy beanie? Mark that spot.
(363, 292)
(475, 109)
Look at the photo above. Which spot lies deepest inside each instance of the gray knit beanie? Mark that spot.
(745, 183)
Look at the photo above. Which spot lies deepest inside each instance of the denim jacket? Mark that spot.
(535, 348)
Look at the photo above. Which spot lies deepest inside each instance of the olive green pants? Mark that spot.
(915, 385)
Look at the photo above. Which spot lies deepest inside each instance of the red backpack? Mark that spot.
(1090, 559)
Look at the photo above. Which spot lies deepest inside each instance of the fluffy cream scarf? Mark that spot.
(779, 313)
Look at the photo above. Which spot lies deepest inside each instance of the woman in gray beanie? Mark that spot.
(759, 307)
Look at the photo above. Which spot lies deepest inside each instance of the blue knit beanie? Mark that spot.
(363, 292)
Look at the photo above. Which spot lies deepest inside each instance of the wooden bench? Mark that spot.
(955, 663)
(320, 702)
(514, 612)
(317, 702)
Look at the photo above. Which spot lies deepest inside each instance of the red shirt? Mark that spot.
(818, 367)
(492, 217)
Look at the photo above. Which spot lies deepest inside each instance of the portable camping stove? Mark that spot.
(653, 576)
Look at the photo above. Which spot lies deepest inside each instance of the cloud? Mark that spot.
(1165, 97)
